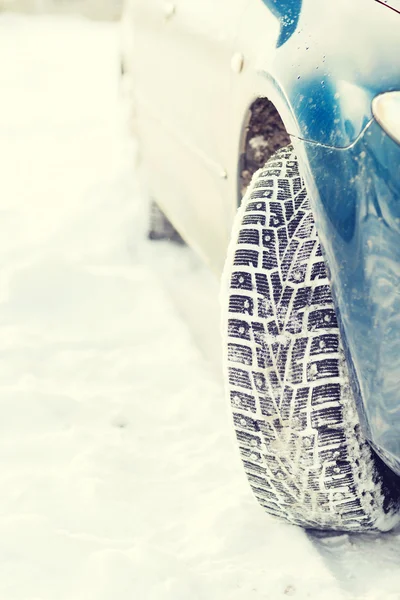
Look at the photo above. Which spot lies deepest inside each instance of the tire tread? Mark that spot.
(293, 410)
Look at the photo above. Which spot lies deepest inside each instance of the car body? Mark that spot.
(199, 69)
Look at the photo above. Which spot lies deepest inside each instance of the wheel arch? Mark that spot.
(263, 133)
(267, 123)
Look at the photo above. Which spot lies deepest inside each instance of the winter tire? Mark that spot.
(294, 413)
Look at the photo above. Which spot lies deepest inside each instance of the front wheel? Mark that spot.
(294, 413)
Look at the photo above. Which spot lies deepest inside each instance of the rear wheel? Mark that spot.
(160, 228)
(294, 413)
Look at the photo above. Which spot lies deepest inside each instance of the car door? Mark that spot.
(184, 53)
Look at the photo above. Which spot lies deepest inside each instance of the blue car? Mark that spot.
(270, 139)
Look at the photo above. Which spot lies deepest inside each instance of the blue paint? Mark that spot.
(358, 216)
(328, 77)
(329, 88)
(288, 13)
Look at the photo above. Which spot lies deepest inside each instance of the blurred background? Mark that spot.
(95, 9)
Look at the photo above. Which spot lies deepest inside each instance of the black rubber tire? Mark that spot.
(160, 227)
(293, 409)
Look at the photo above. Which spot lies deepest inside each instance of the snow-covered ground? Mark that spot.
(118, 478)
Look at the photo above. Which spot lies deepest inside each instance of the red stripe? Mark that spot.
(388, 6)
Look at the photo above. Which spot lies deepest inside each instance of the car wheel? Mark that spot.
(160, 227)
(294, 413)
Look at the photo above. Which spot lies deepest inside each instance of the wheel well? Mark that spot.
(263, 135)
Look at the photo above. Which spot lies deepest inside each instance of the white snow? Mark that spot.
(118, 476)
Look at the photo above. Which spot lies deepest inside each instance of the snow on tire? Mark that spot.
(294, 413)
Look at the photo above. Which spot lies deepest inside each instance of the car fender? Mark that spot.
(330, 74)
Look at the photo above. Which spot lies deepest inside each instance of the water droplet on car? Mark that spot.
(237, 62)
